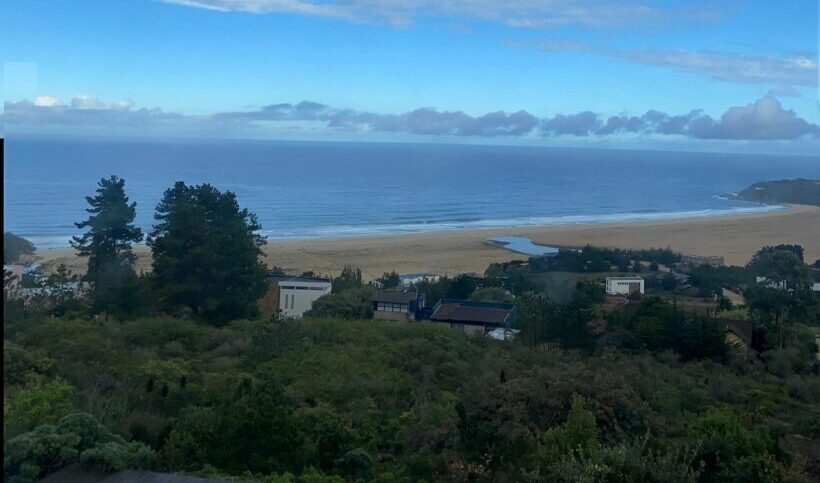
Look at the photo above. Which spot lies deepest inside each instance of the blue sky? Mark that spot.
(195, 59)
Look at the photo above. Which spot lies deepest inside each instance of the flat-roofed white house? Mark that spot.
(292, 296)
(624, 285)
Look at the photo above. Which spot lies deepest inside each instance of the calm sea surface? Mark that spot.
(307, 190)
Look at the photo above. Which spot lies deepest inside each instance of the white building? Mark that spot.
(408, 279)
(624, 285)
(697, 260)
(292, 296)
(779, 285)
(816, 287)
(503, 334)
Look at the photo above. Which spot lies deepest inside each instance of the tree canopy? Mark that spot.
(110, 233)
(780, 264)
(206, 253)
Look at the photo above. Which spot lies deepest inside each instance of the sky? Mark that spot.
(702, 75)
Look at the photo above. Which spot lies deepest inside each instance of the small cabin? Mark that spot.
(399, 305)
(476, 317)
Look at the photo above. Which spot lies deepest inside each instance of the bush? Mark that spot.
(77, 437)
(43, 403)
(118, 456)
(578, 435)
(356, 465)
(353, 303)
(493, 294)
(627, 463)
(36, 453)
(730, 451)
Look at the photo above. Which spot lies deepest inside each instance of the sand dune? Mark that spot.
(735, 238)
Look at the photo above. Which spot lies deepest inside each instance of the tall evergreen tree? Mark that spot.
(783, 296)
(206, 254)
(110, 232)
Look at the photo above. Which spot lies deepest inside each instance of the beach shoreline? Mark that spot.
(735, 237)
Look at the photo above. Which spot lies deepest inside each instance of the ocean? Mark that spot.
(312, 189)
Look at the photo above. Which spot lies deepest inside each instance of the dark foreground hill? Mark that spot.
(333, 401)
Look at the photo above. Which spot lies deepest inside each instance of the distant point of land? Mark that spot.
(793, 191)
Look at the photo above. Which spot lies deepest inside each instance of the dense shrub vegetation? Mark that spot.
(362, 399)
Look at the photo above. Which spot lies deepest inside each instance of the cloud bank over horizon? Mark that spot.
(763, 120)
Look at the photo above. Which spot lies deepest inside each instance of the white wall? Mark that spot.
(296, 298)
(619, 286)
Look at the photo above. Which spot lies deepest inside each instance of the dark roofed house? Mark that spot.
(400, 305)
(739, 333)
(472, 316)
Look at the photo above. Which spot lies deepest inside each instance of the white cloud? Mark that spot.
(725, 66)
(598, 14)
(764, 119)
(47, 101)
(784, 91)
(84, 101)
(731, 67)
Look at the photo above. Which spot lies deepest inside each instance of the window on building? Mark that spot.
(391, 307)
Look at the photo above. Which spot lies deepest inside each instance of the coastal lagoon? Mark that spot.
(303, 190)
(520, 244)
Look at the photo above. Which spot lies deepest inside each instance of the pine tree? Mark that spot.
(206, 254)
(110, 232)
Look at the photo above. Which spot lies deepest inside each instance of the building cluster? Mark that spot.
(693, 261)
(36, 288)
(486, 318)
(292, 296)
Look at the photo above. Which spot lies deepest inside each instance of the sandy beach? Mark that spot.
(736, 238)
